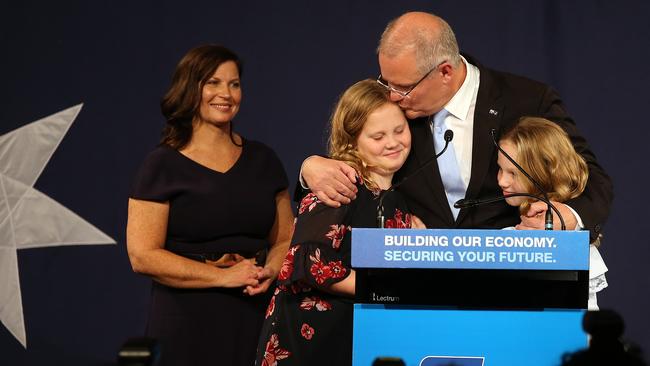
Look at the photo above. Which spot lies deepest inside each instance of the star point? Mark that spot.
(28, 217)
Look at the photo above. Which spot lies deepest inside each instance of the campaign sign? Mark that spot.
(470, 249)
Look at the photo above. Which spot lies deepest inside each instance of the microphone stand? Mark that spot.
(466, 203)
(381, 219)
(548, 225)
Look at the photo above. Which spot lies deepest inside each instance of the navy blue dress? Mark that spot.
(211, 213)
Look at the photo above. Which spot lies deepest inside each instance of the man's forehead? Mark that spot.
(400, 69)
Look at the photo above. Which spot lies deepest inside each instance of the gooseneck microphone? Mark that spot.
(381, 220)
(466, 203)
(548, 224)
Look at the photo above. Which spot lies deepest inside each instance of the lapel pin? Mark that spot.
(493, 112)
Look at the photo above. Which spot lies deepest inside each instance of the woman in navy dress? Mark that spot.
(309, 318)
(209, 219)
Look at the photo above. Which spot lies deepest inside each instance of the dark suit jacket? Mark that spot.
(502, 99)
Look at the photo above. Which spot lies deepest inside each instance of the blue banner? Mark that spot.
(470, 249)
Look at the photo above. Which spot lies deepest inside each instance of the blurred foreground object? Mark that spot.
(140, 351)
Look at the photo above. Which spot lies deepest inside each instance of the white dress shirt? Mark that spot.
(461, 120)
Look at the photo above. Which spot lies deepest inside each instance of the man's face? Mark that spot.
(401, 73)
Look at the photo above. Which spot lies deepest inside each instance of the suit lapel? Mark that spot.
(488, 113)
(424, 151)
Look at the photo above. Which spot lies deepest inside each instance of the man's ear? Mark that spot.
(447, 70)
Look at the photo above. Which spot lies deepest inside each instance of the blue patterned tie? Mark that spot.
(447, 163)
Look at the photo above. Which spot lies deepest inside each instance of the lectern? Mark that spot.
(469, 297)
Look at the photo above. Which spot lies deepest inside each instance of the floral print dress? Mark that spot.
(306, 323)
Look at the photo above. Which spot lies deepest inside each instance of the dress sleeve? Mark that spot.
(319, 255)
(278, 176)
(154, 181)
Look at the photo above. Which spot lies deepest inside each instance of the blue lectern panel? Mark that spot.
(470, 249)
(426, 337)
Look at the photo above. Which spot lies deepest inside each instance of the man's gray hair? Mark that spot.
(430, 48)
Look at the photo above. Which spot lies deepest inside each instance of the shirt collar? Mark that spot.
(460, 103)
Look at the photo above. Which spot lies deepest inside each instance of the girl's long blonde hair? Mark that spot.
(545, 151)
(349, 116)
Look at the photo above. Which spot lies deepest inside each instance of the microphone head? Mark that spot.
(449, 135)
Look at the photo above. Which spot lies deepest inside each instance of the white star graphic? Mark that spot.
(29, 218)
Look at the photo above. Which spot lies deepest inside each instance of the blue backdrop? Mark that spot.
(117, 57)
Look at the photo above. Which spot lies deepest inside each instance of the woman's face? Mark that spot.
(385, 140)
(221, 95)
(509, 177)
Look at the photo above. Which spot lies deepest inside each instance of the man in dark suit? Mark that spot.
(425, 74)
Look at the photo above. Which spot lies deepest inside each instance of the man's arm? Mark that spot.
(332, 181)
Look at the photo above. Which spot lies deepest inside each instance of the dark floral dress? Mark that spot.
(305, 322)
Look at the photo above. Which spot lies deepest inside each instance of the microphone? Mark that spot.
(449, 135)
(467, 202)
(548, 225)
